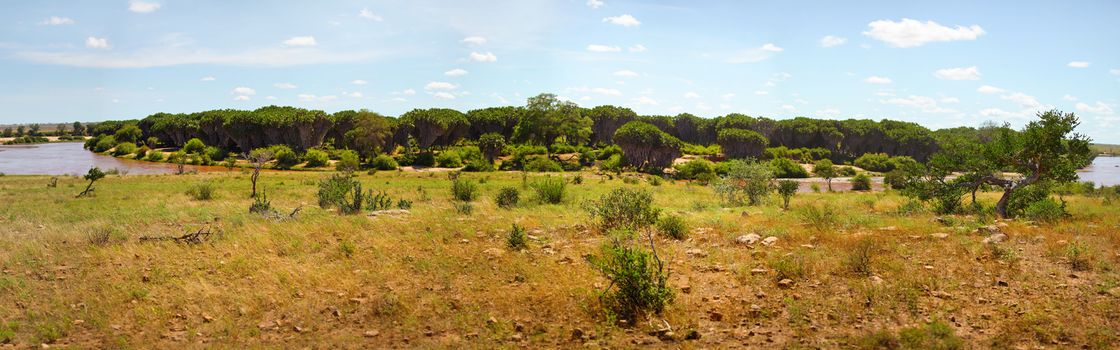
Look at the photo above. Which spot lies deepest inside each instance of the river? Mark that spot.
(69, 158)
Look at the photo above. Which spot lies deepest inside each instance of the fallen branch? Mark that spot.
(197, 237)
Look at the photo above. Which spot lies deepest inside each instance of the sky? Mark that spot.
(940, 64)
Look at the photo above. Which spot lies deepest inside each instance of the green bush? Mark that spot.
(507, 197)
(609, 151)
(936, 336)
(124, 148)
(464, 208)
(624, 208)
(104, 143)
(517, 239)
(787, 188)
(216, 154)
(550, 190)
(1045, 210)
(543, 164)
(334, 189)
(897, 179)
(154, 156)
(194, 146)
(316, 158)
(347, 161)
(612, 164)
(285, 157)
(696, 169)
(464, 190)
(785, 168)
(142, 152)
(877, 162)
(745, 179)
(424, 159)
(449, 159)
(639, 280)
(384, 162)
(203, 191)
(672, 226)
(861, 182)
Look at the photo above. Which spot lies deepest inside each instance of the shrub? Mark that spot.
(261, 204)
(216, 154)
(745, 179)
(347, 161)
(1077, 254)
(640, 285)
(821, 218)
(194, 146)
(935, 335)
(124, 148)
(897, 179)
(550, 190)
(672, 226)
(507, 197)
(285, 157)
(787, 188)
(877, 162)
(1045, 210)
(784, 168)
(384, 162)
(449, 159)
(424, 159)
(791, 266)
(104, 143)
(316, 158)
(517, 239)
(464, 190)
(859, 258)
(624, 208)
(612, 164)
(696, 169)
(464, 208)
(342, 192)
(861, 182)
(203, 191)
(543, 165)
(154, 156)
(142, 152)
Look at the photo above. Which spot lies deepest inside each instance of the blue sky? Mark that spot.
(941, 64)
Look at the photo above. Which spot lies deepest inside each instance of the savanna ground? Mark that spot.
(865, 271)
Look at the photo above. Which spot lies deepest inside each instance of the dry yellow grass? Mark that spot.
(437, 279)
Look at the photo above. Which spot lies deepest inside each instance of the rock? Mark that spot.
(715, 316)
(371, 333)
(940, 235)
(876, 280)
(577, 334)
(745, 214)
(995, 238)
(686, 289)
(769, 241)
(758, 271)
(493, 253)
(748, 239)
(1002, 283)
(785, 283)
(696, 252)
(692, 334)
(888, 228)
(988, 230)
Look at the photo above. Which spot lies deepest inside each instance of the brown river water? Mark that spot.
(69, 158)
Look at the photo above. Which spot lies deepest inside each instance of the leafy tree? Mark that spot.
(547, 119)
(787, 188)
(20, 130)
(92, 176)
(741, 143)
(194, 146)
(745, 179)
(78, 129)
(128, 133)
(7, 132)
(371, 134)
(491, 145)
(436, 126)
(646, 147)
(499, 120)
(59, 129)
(258, 158)
(605, 121)
(34, 130)
(824, 168)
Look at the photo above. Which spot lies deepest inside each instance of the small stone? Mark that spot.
(78, 322)
(748, 239)
(758, 271)
(1002, 283)
(940, 235)
(715, 316)
(745, 214)
(577, 334)
(493, 253)
(491, 321)
(769, 241)
(696, 252)
(371, 333)
(876, 280)
(995, 238)
(686, 289)
(785, 283)
(692, 334)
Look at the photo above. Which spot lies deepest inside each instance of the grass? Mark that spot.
(432, 278)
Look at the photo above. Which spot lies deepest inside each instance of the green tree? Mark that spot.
(745, 179)
(34, 130)
(741, 143)
(93, 175)
(646, 147)
(491, 145)
(825, 169)
(606, 120)
(547, 119)
(20, 130)
(436, 126)
(78, 129)
(787, 188)
(7, 132)
(371, 135)
(128, 133)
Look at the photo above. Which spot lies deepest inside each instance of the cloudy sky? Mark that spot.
(942, 64)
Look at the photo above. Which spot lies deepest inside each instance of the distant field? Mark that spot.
(1106, 148)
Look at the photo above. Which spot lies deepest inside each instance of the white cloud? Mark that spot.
(913, 33)
(996, 113)
(142, 7)
(923, 103)
(353, 94)
(284, 86)
(758, 54)
(1069, 97)
(474, 40)
(439, 85)
(408, 92)
(270, 98)
(1078, 64)
(57, 21)
(950, 100)
(359, 82)
(245, 91)
(830, 41)
(789, 108)
(367, 14)
(828, 112)
(1114, 71)
(483, 57)
(728, 96)
(1027, 101)
(444, 95)
(315, 98)
(1099, 108)
(969, 73)
(626, 73)
(637, 48)
(241, 98)
(691, 94)
(603, 48)
(761, 92)
(301, 41)
(645, 100)
(457, 72)
(877, 80)
(623, 20)
(97, 43)
(207, 78)
(988, 89)
(594, 3)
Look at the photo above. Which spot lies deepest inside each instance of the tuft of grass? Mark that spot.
(463, 190)
(1078, 255)
(819, 217)
(202, 191)
(517, 239)
(858, 260)
(507, 198)
(672, 226)
(464, 208)
(550, 190)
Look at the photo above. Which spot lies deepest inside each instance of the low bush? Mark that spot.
(1045, 210)
(550, 190)
(194, 146)
(154, 156)
(861, 182)
(464, 190)
(517, 239)
(858, 260)
(124, 148)
(285, 157)
(261, 204)
(464, 208)
(821, 218)
(507, 197)
(384, 162)
(203, 191)
(316, 158)
(672, 226)
(639, 280)
(347, 161)
(696, 169)
(785, 168)
(543, 165)
(624, 208)
(449, 159)
(787, 189)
